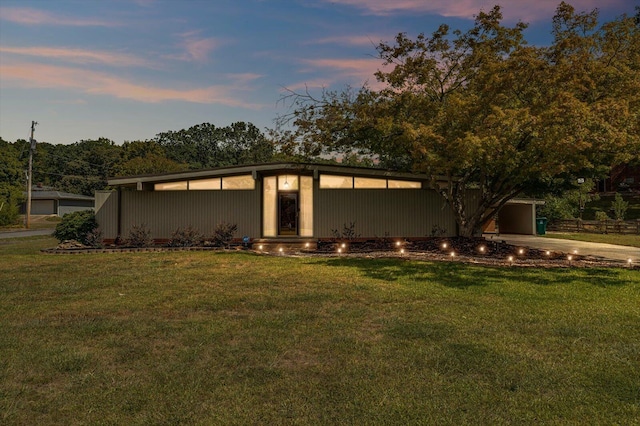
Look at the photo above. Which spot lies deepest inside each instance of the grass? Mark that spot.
(236, 338)
(619, 239)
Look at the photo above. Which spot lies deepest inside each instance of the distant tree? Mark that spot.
(482, 109)
(208, 146)
(11, 183)
(145, 157)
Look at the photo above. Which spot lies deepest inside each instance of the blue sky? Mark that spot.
(129, 69)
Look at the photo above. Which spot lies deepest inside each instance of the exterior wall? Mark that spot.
(43, 207)
(164, 211)
(380, 212)
(517, 219)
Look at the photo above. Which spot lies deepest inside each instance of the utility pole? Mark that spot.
(32, 148)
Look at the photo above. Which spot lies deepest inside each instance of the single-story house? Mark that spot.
(277, 201)
(48, 202)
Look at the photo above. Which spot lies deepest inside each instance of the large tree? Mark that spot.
(482, 109)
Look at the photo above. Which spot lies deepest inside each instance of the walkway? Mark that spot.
(25, 233)
(607, 251)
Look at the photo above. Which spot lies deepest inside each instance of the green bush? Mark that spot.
(80, 226)
(619, 207)
(8, 213)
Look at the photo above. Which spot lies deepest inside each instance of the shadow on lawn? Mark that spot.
(460, 275)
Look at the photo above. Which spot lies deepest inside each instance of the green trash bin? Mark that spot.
(541, 225)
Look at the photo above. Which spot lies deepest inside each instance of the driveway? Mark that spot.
(607, 251)
(25, 233)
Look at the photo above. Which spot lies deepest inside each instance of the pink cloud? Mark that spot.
(78, 55)
(196, 49)
(350, 40)
(350, 71)
(525, 10)
(30, 16)
(34, 76)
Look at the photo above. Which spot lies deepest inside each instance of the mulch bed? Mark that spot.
(463, 250)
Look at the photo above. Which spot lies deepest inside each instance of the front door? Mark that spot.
(287, 213)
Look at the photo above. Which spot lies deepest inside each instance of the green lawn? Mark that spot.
(623, 240)
(236, 338)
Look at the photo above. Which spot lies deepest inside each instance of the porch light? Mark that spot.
(286, 182)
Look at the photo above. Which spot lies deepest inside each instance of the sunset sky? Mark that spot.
(129, 69)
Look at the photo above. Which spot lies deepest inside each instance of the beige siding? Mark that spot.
(380, 212)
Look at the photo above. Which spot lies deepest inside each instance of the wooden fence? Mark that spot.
(596, 226)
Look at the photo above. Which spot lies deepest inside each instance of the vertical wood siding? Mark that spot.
(380, 212)
(107, 213)
(164, 211)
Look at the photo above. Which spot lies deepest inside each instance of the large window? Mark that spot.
(230, 182)
(349, 182)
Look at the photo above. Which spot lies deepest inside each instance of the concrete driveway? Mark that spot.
(607, 251)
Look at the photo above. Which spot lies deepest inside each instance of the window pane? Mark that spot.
(370, 183)
(269, 207)
(238, 182)
(202, 184)
(396, 184)
(287, 182)
(332, 181)
(306, 206)
(171, 186)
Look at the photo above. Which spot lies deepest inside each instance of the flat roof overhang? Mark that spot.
(268, 168)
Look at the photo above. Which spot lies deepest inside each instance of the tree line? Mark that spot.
(84, 166)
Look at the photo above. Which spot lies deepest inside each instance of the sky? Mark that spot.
(130, 69)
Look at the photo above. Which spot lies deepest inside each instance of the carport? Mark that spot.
(518, 216)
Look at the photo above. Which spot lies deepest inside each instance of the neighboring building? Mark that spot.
(623, 177)
(277, 201)
(48, 202)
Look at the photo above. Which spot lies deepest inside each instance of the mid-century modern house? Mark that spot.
(285, 201)
(49, 202)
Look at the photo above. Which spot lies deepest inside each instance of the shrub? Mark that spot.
(139, 236)
(602, 218)
(348, 232)
(223, 234)
(619, 207)
(187, 237)
(8, 213)
(77, 226)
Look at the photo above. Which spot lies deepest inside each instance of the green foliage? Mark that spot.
(80, 226)
(185, 237)
(139, 236)
(619, 207)
(9, 213)
(571, 203)
(207, 146)
(223, 234)
(485, 109)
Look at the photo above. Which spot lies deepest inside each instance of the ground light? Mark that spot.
(482, 249)
(510, 259)
(401, 251)
(630, 262)
(444, 245)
